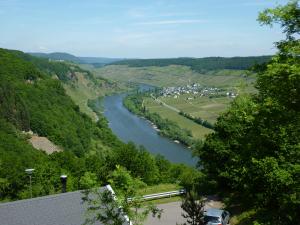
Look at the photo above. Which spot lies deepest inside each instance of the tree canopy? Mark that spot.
(255, 150)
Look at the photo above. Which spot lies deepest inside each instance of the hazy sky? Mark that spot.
(138, 28)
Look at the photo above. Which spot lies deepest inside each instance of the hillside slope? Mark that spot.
(81, 85)
(32, 100)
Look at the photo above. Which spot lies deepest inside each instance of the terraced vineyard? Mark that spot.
(176, 75)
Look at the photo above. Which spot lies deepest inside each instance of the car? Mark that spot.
(214, 216)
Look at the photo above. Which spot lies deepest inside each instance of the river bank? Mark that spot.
(130, 127)
(165, 127)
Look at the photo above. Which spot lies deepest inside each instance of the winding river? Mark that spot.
(129, 127)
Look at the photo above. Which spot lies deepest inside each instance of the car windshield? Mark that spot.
(212, 219)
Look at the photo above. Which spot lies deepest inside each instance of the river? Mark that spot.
(129, 127)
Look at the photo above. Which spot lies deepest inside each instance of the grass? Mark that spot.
(243, 218)
(197, 130)
(204, 107)
(161, 188)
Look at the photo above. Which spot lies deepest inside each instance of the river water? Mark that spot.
(129, 127)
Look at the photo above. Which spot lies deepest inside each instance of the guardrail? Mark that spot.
(162, 195)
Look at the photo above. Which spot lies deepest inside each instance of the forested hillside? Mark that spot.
(57, 56)
(31, 98)
(61, 56)
(199, 64)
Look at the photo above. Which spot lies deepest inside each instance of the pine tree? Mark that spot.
(194, 208)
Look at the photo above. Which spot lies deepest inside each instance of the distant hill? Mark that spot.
(103, 60)
(76, 59)
(199, 64)
(57, 56)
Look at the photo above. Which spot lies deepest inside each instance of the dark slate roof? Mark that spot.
(59, 209)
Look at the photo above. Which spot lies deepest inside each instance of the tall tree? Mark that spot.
(112, 208)
(255, 150)
(193, 206)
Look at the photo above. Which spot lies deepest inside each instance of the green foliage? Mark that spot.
(193, 207)
(139, 161)
(33, 101)
(126, 190)
(103, 207)
(124, 183)
(287, 16)
(198, 120)
(255, 148)
(88, 180)
(111, 208)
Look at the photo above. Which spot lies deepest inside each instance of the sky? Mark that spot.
(138, 28)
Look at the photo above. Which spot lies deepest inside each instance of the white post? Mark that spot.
(29, 172)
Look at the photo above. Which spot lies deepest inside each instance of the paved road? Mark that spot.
(172, 212)
(164, 104)
(170, 216)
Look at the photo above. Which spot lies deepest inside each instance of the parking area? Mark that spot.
(172, 212)
(170, 216)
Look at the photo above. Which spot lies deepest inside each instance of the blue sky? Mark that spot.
(138, 28)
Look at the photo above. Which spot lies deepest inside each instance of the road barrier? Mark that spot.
(162, 195)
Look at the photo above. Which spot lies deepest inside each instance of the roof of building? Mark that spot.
(59, 209)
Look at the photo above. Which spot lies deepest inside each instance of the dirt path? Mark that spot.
(42, 143)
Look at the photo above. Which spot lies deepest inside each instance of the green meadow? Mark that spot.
(197, 130)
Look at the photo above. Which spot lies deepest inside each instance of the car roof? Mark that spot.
(213, 212)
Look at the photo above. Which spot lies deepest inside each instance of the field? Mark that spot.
(177, 76)
(197, 130)
(204, 107)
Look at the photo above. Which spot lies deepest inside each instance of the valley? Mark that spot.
(112, 112)
(199, 105)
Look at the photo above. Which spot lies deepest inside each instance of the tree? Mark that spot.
(254, 151)
(103, 207)
(88, 180)
(113, 209)
(193, 206)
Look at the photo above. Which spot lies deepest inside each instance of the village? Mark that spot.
(197, 90)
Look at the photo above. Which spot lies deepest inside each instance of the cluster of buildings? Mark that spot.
(195, 89)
